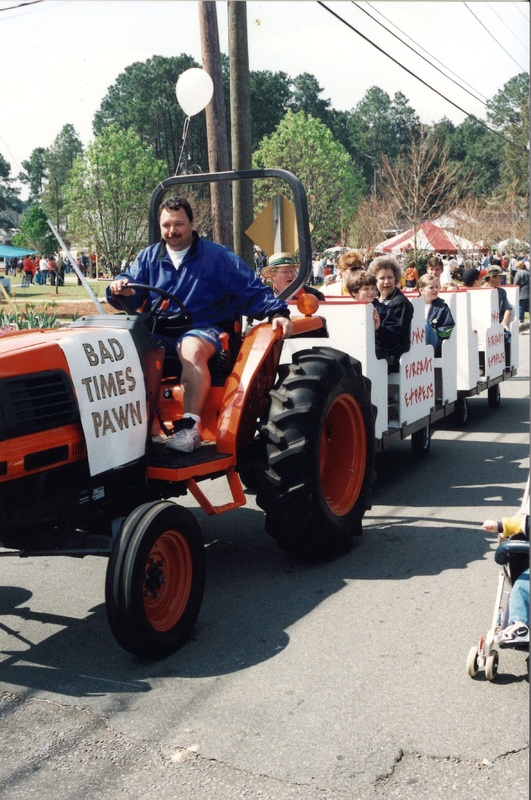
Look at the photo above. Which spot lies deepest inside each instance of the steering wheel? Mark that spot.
(155, 312)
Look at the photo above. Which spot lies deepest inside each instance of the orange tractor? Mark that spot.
(81, 475)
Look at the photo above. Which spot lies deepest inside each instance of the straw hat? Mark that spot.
(278, 260)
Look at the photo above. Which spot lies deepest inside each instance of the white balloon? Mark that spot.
(194, 90)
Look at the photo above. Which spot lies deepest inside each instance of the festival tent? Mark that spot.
(511, 245)
(430, 237)
(14, 252)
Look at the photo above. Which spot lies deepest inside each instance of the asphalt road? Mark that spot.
(338, 680)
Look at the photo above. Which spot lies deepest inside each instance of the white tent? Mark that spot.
(512, 245)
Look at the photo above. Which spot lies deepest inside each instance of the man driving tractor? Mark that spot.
(214, 285)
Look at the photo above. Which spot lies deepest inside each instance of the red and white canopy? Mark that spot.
(430, 237)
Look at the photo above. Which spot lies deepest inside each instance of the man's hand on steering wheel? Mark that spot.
(120, 287)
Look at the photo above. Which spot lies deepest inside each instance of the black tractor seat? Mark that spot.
(220, 365)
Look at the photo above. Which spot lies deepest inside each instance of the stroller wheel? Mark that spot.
(491, 665)
(472, 661)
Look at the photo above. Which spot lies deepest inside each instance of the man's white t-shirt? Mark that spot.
(177, 256)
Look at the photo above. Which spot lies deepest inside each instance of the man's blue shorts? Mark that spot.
(210, 334)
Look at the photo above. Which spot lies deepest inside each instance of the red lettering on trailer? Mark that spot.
(418, 395)
(420, 367)
(496, 338)
(417, 335)
(496, 358)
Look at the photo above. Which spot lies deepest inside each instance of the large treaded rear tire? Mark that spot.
(319, 441)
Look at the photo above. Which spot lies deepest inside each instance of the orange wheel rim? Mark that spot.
(342, 454)
(167, 580)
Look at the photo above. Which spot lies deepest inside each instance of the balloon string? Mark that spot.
(185, 134)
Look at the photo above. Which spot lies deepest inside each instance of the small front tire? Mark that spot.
(155, 579)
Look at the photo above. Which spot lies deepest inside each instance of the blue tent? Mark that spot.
(14, 252)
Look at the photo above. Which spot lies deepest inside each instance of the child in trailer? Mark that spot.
(387, 329)
(439, 320)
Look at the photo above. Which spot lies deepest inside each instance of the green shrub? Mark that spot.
(29, 318)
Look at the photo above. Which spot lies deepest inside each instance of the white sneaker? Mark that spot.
(186, 436)
(515, 634)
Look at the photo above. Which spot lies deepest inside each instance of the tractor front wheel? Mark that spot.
(319, 441)
(155, 579)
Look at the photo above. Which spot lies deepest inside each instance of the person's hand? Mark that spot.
(376, 318)
(490, 525)
(285, 324)
(120, 287)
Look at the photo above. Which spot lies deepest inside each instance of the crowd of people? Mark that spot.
(40, 269)
(385, 282)
(453, 267)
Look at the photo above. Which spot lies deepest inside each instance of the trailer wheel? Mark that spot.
(319, 442)
(472, 665)
(491, 665)
(421, 441)
(461, 410)
(155, 579)
(494, 396)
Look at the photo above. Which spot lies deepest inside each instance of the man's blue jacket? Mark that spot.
(213, 283)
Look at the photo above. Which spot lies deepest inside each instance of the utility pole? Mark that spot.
(218, 152)
(240, 113)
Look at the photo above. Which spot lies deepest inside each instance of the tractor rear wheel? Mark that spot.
(155, 579)
(319, 440)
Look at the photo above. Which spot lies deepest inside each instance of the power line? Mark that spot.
(419, 54)
(496, 40)
(13, 159)
(430, 54)
(417, 77)
(504, 23)
(21, 5)
(521, 12)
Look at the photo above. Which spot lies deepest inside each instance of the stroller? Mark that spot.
(513, 556)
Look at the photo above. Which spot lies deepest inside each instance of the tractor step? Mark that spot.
(158, 455)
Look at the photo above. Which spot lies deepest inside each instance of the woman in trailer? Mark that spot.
(388, 274)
